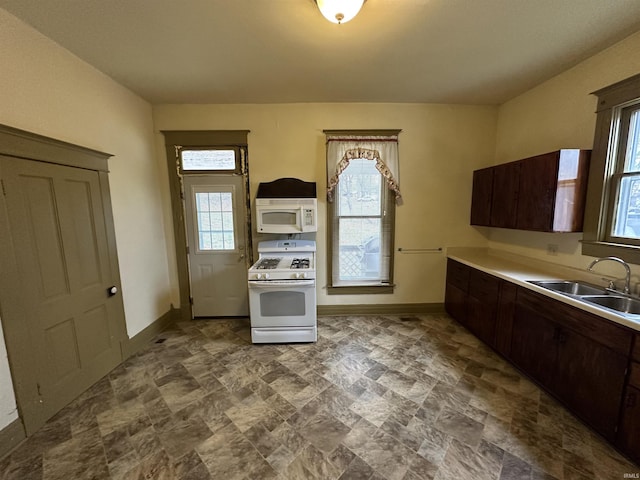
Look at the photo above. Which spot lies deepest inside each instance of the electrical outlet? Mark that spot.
(552, 249)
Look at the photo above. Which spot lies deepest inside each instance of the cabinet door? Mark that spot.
(504, 202)
(455, 303)
(481, 320)
(590, 380)
(481, 197)
(482, 305)
(533, 346)
(629, 433)
(458, 274)
(504, 317)
(536, 198)
(455, 295)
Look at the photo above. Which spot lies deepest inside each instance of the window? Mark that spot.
(215, 220)
(625, 182)
(363, 189)
(612, 217)
(209, 159)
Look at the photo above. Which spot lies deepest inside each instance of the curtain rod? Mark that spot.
(362, 132)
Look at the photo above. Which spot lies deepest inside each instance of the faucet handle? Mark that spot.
(612, 283)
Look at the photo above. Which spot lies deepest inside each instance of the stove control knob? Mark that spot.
(265, 275)
(301, 275)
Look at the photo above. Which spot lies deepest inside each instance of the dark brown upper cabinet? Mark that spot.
(505, 192)
(481, 196)
(543, 193)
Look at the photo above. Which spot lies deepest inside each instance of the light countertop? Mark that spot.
(519, 270)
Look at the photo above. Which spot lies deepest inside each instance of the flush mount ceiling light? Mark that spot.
(339, 11)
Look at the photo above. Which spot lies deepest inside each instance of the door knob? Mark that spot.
(112, 290)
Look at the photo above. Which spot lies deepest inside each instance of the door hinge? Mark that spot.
(187, 249)
(191, 300)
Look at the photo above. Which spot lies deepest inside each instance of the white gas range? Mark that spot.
(282, 292)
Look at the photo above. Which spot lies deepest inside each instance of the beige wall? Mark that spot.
(440, 146)
(559, 114)
(47, 90)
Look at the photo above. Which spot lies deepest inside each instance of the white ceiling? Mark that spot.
(280, 51)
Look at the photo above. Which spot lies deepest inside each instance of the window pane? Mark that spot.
(359, 251)
(215, 221)
(359, 189)
(632, 155)
(627, 216)
(208, 159)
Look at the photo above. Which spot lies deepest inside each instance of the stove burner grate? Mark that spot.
(300, 263)
(268, 263)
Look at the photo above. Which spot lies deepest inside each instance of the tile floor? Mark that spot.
(378, 397)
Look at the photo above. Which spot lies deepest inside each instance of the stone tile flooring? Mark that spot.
(378, 397)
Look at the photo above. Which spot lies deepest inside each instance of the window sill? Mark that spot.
(628, 253)
(360, 289)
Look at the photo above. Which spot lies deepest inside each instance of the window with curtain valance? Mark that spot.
(362, 192)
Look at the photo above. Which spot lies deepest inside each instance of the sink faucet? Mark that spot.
(627, 282)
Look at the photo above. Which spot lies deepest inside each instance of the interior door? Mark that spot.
(57, 284)
(217, 245)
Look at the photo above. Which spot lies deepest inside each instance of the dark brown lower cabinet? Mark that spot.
(482, 305)
(578, 357)
(471, 297)
(585, 361)
(455, 303)
(533, 347)
(629, 433)
(504, 317)
(590, 380)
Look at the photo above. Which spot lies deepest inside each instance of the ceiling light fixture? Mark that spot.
(339, 11)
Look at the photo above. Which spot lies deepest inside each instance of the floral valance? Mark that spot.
(383, 150)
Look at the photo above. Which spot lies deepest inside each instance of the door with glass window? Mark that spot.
(217, 246)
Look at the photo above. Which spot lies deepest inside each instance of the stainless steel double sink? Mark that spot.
(599, 296)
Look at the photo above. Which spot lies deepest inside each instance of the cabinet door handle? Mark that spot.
(631, 399)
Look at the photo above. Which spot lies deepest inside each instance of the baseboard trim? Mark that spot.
(11, 436)
(139, 341)
(381, 309)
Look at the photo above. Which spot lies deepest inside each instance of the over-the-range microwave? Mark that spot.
(287, 215)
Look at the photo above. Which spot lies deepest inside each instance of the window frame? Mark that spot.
(365, 287)
(388, 216)
(622, 116)
(174, 141)
(605, 168)
(237, 170)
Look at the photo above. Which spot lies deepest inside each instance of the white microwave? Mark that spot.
(287, 215)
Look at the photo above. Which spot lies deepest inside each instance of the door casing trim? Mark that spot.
(23, 145)
(175, 140)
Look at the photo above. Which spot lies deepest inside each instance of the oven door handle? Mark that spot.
(281, 283)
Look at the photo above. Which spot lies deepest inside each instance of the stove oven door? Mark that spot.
(282, 303)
